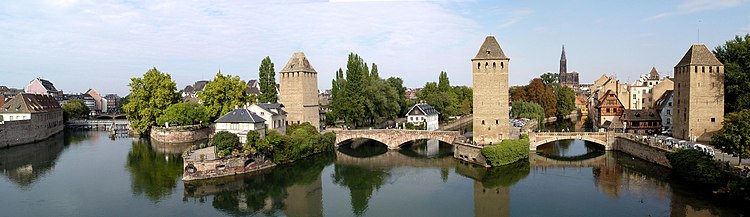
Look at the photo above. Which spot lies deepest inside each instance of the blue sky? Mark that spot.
(81, 44)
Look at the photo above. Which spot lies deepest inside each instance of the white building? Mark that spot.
(241, 121)
(423, 114)
(664, 107)
(273, 113)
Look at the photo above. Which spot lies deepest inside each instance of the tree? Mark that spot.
(267, 79)
(441, 96)
(225, 142)
(735, 54)
(355, 79)
(73, 109)
(528, 110)
(464, 100)
(550, 78)
(183, 114)
(398, 85)
(149, 97)
(566, 101)
(734, 137)
(222, 94)
(518, 94)
(543, 95)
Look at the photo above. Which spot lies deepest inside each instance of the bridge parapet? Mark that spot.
(605, 139)
(393, 138)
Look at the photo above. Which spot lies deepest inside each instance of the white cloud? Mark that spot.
(693, 6)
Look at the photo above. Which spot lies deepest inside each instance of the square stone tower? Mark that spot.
(698, 95)
(298, 91)
(490, 86)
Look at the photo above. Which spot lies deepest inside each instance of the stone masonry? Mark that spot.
(298, 91)
(490, 88)
(394, 138)
(698, 95)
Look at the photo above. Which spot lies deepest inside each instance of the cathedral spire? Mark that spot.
(563, 62)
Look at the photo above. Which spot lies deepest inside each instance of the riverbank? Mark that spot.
(204, 164)
(180, 134)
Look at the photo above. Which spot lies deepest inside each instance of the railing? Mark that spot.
(570, 134)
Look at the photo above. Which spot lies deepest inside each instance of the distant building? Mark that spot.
(253, 87)
(113, 102)
(299, 91)
(642, 121)
(491, 98)
(423, 114)
(642, 94)
(240, 121)
(699, 95)
(324, 99)
(43, 87)
(609, 112)
(273, 113)
(411, 93)
(9, 93)
(29, 118)
(97, 100)
(190, 92)
(664, 105)
(566, 78)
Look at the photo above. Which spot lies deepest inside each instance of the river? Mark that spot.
(90, 174)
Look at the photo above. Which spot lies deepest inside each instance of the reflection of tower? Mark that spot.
(298, 91)
(490, 88)
(491, 201)
(304, 199)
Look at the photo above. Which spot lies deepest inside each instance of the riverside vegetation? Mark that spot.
(507, 152)
(301, 141)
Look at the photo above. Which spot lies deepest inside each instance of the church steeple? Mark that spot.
(563, 62)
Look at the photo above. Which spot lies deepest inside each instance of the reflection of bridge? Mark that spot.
(392, 159)
(542, 161)
(394, 138)
(605, 139)
(109, 116)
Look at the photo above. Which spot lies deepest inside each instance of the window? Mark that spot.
(669, 121)
(670, 103)
(669, 111)
(234, 126)
(608, 110)
(478, 65)
(703, 69)
(497, 122)
(486, 65)
(501, 65)
(482, 122)
(713, 120)
(493, 65)
(633, 96)
(643, 100)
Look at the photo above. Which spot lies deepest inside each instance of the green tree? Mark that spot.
(225, 142)
(566, 101)
(398, 85)
(543, 95)
(338, 98)
(149, 97)
(441, 96)
(735, 54)
(696, 167)
(222, 94)
(267, 79)
(184, 113)
(550, 78)
(464, 100)
(356, 70)
(734, 137)
(528, 110)
(74, 108)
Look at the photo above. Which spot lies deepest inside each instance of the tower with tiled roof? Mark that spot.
(298, 91)
(490, 86)
(698, 95)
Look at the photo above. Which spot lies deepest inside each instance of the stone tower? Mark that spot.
(298, 91)
(563, 66)
(698, 95)
(490, 86)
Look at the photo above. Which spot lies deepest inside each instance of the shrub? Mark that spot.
(507, 152)
(225, 142)
(302, 140)
(697, 167)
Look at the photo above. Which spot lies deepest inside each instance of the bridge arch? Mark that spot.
(394, 138)
(603, 139)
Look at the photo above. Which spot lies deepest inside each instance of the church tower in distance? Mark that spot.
(490, 87)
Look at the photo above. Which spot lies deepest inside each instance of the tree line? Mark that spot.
(542, 97)
(734, 137)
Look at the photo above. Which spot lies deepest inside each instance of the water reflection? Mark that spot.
(570, 150)
(425, 148)
(25, 164)
(361, 183)
(362, 148)
(153, 173)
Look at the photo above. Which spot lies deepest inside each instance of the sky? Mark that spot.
(80, 44)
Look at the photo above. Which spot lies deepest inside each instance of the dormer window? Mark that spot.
(488, 51)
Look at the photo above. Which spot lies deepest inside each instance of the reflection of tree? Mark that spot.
(507, 175)
(361, 183)
(268, 191)
(152, 173)
(27, 163)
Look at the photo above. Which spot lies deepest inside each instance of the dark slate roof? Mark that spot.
(699, 54)
(252, 82)
(270, 107)
(252, 90)
(199, 85)
(663, 99)
(47, 85)
(425, 108)
(490, 50)
(298, 63)
(240, 115)
(188, 89)
(30, 103)
(641, 115)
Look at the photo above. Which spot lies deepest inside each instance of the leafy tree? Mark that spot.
(222, 94)
(403, 103)
(735, 54)
(184, 113)
(122, 103)
(696, 167)
(149, 97)
(441, 96)
(518, 94)
(225, 142)
(550, 78)
(543, 95)
(566, 101)
(354, 92)
(734, 137)
(464, 100)
(74, 108)
(267, 79)
(338, 98)
(528, 110)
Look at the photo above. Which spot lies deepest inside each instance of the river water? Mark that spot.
(90, 174)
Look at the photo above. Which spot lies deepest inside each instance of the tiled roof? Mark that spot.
(663, 99)
(425, 108)
(490, 50)
(199, 85)
(641, 115)
(699, 54)
(30, 103)
(240, 115)
(298, 63)
(47, 85)
(272, 107)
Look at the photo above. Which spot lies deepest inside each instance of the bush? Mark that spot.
(696, 167)
(507, 152)
(302, 140)
(225, 142)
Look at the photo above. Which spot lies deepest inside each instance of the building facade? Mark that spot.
(566, 78)
(665, 106)
(28, 118)
(642, 121)
(424, 115)
(240, 121)
(699, 95)
(609, 112)
(490, 88)
(273, 113)
(299, 91)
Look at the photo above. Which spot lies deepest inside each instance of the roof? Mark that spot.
(272, 106)
(199, 85)
(604, 97)
(490, 50)
(252, 90)
(240, 115)
(253, 83)
(640, 115)
(562, 56)
(699, 54)
(653, 73)
(47, 84)
(425, 108)
(298, 63)
(612, 125)
(30, 103)
(661, 102)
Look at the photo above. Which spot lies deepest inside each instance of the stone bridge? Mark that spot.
(536, 160)
(605, 139)
(393, 159)
(394, 138)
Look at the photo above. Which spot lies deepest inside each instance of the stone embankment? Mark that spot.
(20, 132)
(180, 134)
(204, 164)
